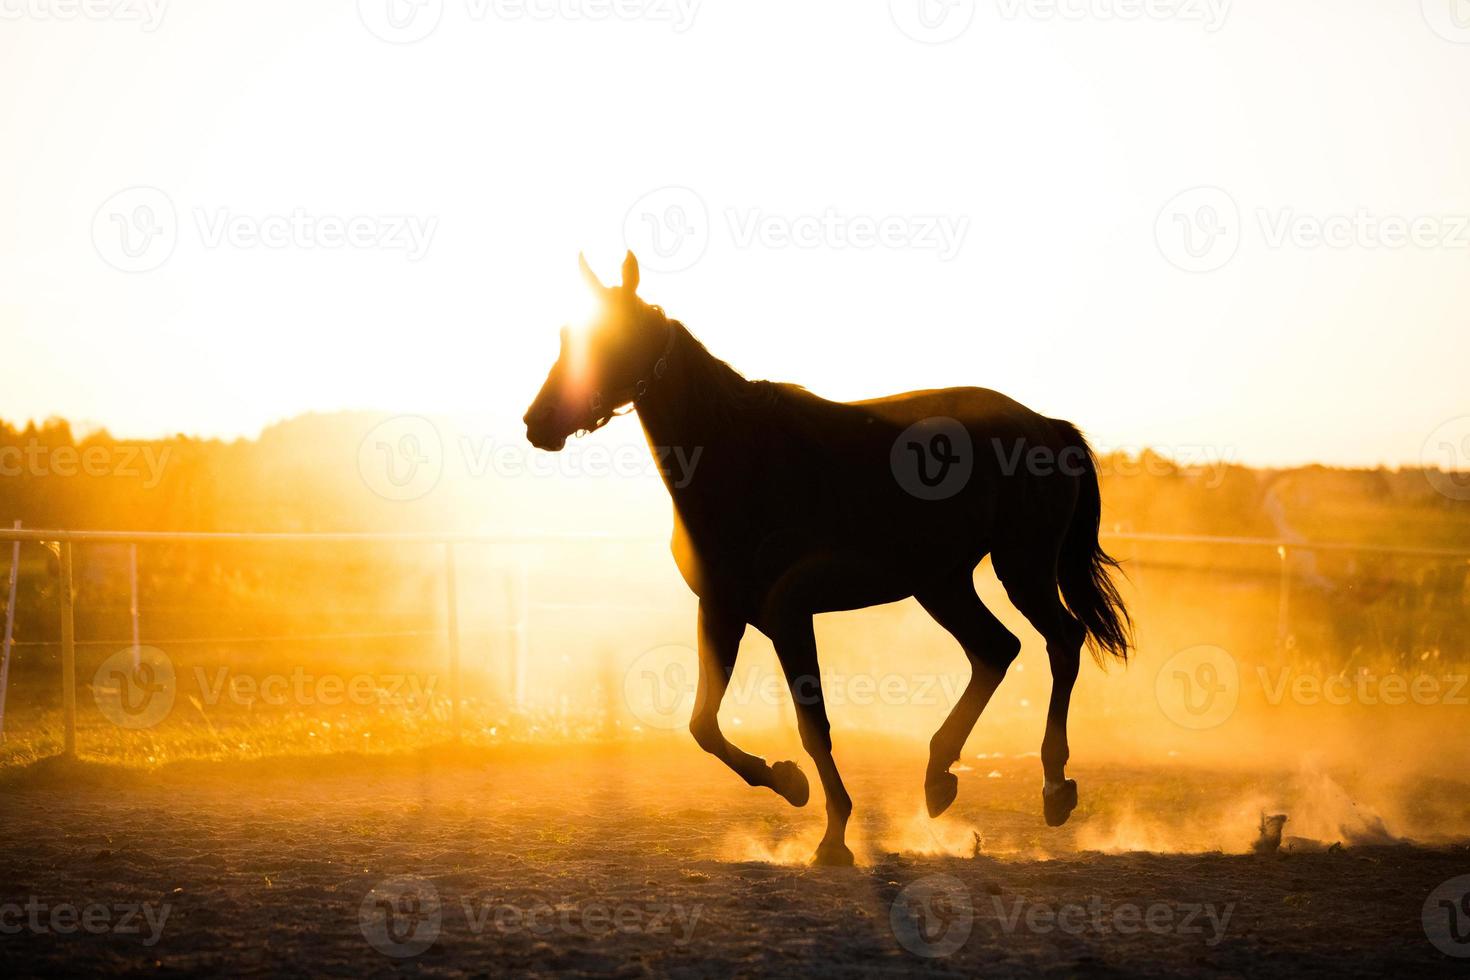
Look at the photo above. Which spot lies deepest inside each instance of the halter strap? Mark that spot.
(630, 393)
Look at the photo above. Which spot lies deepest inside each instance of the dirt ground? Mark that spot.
(630, 860)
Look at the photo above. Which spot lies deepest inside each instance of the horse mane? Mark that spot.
(732, 393)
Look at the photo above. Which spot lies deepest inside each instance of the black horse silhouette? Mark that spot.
(802, 506)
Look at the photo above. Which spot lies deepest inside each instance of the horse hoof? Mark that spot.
(790, 783)
(833, 855)
(1059, 805)
(940, 791)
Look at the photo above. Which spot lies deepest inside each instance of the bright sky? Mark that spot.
(993, 210)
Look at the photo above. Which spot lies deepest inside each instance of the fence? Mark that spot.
(64, 540)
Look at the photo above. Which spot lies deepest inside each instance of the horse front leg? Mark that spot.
(719, 646)
(796, 648)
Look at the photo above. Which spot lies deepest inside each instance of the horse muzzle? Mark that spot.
(546, 441)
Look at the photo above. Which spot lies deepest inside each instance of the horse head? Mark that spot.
(604, 365)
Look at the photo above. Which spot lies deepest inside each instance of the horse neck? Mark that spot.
(695, 405)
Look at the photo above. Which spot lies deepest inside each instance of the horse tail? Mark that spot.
(1084, 570)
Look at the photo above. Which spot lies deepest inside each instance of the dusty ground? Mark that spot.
(632, 862)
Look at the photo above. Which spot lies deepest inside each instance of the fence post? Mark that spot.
(451, 585)
(520, 650)
(9, 629)
(1283, 608)
(68, 654)
(133, 601)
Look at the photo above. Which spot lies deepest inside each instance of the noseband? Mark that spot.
(597, 404)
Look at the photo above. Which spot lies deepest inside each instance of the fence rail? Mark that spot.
(64, 540)
(524, 538)
(304, 537)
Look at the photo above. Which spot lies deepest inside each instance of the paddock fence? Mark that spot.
(64, 542)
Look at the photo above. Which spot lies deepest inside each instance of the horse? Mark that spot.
(800, 506)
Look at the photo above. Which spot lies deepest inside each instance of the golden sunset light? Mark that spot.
(684, 488)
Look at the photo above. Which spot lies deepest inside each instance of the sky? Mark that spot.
(1239, 230)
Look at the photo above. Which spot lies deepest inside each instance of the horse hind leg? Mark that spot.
(991, 648)
(1030, 582)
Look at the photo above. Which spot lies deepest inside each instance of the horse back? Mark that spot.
(823, 481)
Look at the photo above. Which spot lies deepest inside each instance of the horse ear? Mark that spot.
(630, 273)
(589, 275)
(566, 336)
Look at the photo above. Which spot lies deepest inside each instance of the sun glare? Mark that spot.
(582, 308)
